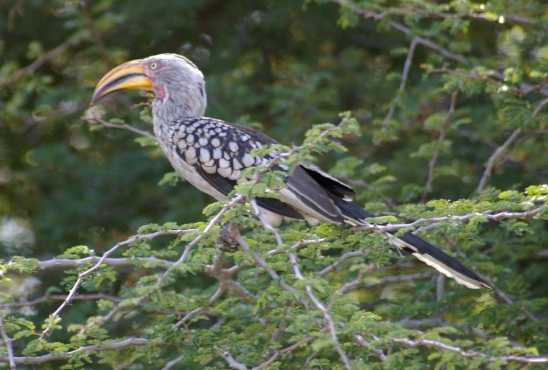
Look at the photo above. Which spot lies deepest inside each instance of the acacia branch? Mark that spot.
(464, 353)
(82, 275)
(283, 351)
(59, 263)
(488, 215)
(8, 343)
(324, 310)
(60, 297)
(441, 137)
(173, 362)
(308, 289)
(497, 156)
(403, 82)
(186, 252)
(120, 126)
(115, 345)
(231, 361)
(524, 88)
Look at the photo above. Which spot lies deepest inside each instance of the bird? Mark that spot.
(211, 154)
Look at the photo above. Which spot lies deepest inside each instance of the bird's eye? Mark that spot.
(153, 66)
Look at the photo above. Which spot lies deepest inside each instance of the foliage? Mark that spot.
(449, 107)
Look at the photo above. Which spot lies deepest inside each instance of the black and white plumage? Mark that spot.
(211, 154)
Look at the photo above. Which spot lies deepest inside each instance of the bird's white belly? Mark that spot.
(189, 173)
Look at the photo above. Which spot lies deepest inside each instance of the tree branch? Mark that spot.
(7, 342)
(441, 138)
(60, 297)
(116, 345)
(403, 82)
(455, 218)
(231, 361)
(82, 275)
(464, 353)
(497, 156)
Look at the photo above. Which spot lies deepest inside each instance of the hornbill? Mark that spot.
(211, 154)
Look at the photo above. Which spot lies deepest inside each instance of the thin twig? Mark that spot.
(324, 310)
(173, 362)
(60, 263)
(403, 82)
(82, 275)
(464, 353)
(441, 138)
(340, 260)
(115, 345)
(283, 351)
(60, 297)
(308, 289)
(231, 361)
(7, 342)
(36, 64)
(539, 107)
(364, 343)
(214, 221)
(497, 156)
(489, 215)
(120, 126)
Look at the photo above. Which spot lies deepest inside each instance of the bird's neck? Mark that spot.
(170, 111)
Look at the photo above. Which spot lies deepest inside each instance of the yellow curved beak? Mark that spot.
(127, 76)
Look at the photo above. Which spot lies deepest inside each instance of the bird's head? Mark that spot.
(178, 85)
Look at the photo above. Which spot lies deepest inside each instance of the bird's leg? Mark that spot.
(227, 240)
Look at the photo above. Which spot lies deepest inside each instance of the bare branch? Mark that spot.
(456, 218)
(325, 311)
(539, 107)
(298, 245)
(120, 126)
(358, 283)
(186, 252)
(231, 361)
(308, 289)
(82, 275)
(441, 138)
(115, 345)
(7, 342)
(37, 63)
(281, 352)
(464, 353)
(403, 82)
(60, 297)
(60, 263)
(173, 362)
(364, 343)
(498, 155)
(340, 260)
